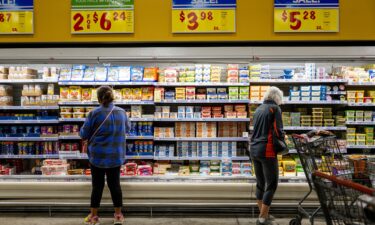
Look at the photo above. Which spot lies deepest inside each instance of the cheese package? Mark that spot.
(101, 73)
(124, 73)
(136, 74)
(86, 94)
(170, 75)
(147, 93)
(89, 74)
(75, 93)
(137, 94)
(118, 95)
(113, 74)
(127, 94)
(150, 74)
(64, 93)
(94, 95)
(158, 94)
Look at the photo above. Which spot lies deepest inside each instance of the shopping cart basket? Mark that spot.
(314, 154)
(344, 201)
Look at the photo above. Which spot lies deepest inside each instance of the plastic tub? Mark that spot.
(66, 115)
(78, 115)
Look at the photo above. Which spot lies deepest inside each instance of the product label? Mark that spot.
(16, 16)
(204, 16)
(102, 16)
(306, 16)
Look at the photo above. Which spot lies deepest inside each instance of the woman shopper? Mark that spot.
(105, 129)
(263, 154)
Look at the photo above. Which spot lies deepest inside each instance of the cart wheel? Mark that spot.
(296, 221)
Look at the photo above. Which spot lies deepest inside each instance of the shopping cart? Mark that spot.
(322, 153)
(344, 201)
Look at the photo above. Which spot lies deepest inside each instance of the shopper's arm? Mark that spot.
(127, 124)
(86, 129)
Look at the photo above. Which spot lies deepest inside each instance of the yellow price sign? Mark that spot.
(102, 21)
(203, 20)
(306, 20)
(16, 22)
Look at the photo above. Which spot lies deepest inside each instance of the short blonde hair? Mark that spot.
(274, 94)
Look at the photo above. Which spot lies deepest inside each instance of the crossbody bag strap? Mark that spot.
(273, 110)
(97, 129)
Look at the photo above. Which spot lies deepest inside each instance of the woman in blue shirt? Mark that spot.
(105, 129)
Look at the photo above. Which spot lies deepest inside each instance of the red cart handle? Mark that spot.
(346, 183)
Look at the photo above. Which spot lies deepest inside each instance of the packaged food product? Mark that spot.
(124, 73)
(118, 96)
(51, 89)
(150, 74)
(78, 115)
(75, 93)
(86, 94)
(137, 94)
(137, 73)
(65, 109)
(127, 94)
(147, 93)
(79, 109)
(101, 73)
(113, 74)
(64, 93)
(89, 74)
(77, 72)
(65, 74)
(94, 95)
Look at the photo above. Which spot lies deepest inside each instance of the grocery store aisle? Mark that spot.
(138, 221)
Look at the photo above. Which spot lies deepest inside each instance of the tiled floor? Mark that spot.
(138, 221)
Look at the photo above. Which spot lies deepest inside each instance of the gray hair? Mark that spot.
(274, 94)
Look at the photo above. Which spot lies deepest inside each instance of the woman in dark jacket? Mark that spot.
(267, 117)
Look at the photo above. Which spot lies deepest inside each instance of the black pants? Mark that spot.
(267, 176)
(113, 182)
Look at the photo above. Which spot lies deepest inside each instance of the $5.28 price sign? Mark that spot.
(102, 21)
(306, 20)
(203, 20)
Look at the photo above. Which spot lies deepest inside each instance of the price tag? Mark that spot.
(93, 17)
(17, 17)
(204, 16)
(306, 16)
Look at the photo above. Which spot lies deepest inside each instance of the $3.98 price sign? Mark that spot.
(102, 21)
(203, 20)
(306, 20)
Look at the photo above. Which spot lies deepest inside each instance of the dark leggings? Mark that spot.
(113, 182)
(267, 176)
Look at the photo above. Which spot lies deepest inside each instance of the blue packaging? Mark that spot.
(36, 129)
(136, 73)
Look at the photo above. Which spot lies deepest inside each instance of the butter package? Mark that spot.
(136, 74)
(101, 73)
(233, 93)
(124, 73)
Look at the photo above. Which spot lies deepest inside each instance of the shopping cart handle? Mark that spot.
(346, 183)
(298, 136)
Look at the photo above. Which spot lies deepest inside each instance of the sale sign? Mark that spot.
(306, 16)
(16, 16)
(102, 16)
(204, 16)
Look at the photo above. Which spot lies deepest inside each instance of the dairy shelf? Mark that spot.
(54, 156)
(153, 178)
(290, 128)
(360, 84)
(27, 81)
(29, 107)
(108, 83)
(69, 137)
(177, 158)
(116, 103)
(360, 147)
(336, 92)
(198, 139)
(29, 138)
(203, 120)
(84, 119)
(200, 84)
(361, 104)
(76, 137)
(299, 81)
(29, 121)
(288, 102)
(224, 101)
(360, 123)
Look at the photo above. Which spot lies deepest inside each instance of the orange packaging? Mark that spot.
(147, 93)
(64, 93)
(86, 94)
(150, 74)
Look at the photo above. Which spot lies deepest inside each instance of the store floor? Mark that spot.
(139, 221)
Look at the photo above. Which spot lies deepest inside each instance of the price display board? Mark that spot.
(204, 16)
(306, 16)
(16, 16)
(98, 16)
